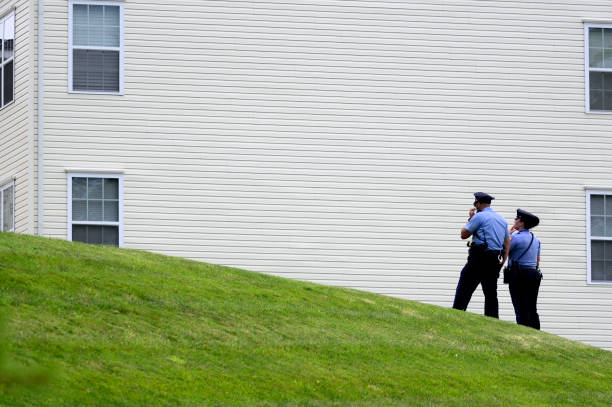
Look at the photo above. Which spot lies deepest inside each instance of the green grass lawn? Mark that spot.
(100, 326)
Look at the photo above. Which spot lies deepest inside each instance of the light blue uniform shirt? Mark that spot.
(489, 227)
(518, 245)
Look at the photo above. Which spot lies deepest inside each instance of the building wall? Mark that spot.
(16, 119)
(341, 142)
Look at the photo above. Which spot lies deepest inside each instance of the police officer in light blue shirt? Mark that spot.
(487, 253)
(524, 269)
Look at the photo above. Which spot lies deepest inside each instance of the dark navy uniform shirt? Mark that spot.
(518, 245)
(489, 227)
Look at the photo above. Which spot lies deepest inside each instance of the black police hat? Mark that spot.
(529, 219)
(482, 198)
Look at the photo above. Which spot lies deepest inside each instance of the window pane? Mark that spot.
(595, 37)
(609, 227)
(96, 14)
(596, 81)
(607, 38)
(7, 209)
(79, 210)
(94, 210)
(9, 37)
(607, 251)
(96, 36)
(110, 235)
(110, 71)
(597, 250)
(111, 211)
(111, 16)
(111, 188)
(608, 274)
(80, 30)
(80, 35)
(94, 234)
(95, 70)
(595, 57)
(1, 37)
(596, 100)
(607, 100)
(597, 204)
(597, 226)
(111, 37)
(94, 188)
(79, 188)
(597, 270)
(111, 26)
(608, 200)
(79, 14)
(607, 58)
(7, 80)
(79, 233)
(79, 69)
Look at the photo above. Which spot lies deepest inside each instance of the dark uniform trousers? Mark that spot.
(482, 267)
(524, 286)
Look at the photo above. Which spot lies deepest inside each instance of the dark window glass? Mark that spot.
(95, 70)
(110, 235)
(600, 90)
(96, 234)
(601, 227)
(7, 80)
(79, 233)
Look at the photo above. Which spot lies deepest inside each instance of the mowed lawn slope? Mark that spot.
(116, 327)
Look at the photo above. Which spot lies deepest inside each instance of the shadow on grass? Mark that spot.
(14, 376)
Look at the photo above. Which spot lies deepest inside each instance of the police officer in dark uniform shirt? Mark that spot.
(524, 268)
(487, 253)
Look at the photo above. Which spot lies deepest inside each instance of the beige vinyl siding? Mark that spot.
(16, 131)
(340, 142)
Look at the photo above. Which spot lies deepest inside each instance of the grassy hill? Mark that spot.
(112, 327)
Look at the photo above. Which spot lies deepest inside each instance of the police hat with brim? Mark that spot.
(529, 219)
(482, 198)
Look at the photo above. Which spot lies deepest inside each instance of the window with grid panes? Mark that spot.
(95, 210)
(7, 207)
(96, 47)
(599, 67)
(600, 236)
(7, 59)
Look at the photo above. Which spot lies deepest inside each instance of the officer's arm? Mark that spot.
(506, 248)
(538, 263)
(473, 224)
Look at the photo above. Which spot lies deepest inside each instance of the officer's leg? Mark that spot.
(468, 282)
(489, 277)
(533, 287)
(522, 297)
(514, 288)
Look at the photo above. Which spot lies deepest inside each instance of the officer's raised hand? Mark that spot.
(472, 213)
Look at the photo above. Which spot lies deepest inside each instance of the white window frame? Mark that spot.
(117, 176)
(588, 69)
(4, 187)
(590, 192)
(2, 104)
(71, 47)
